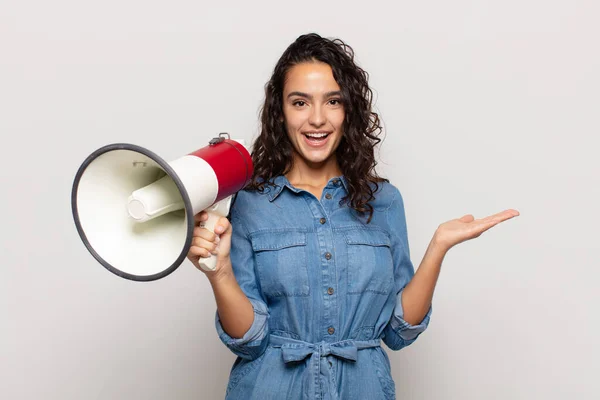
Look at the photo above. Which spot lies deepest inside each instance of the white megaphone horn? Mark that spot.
(135, 212)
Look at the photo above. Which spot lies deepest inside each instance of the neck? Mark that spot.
(313, 174)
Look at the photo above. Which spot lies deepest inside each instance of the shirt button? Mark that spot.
(331, 330)
(322, 221)
(330, 291)
(336, 182)
(328, 256)
(328, 196)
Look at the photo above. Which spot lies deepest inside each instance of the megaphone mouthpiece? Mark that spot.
(154, 200)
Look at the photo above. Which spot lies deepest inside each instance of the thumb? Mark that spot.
(223, 227)
(223, 230)
(467, 218)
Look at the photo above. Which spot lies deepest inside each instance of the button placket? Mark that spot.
(324, 234)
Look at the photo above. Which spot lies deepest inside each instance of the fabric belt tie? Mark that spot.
(317, 369)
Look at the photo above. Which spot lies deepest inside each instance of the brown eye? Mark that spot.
(299, 103)
(335, 102)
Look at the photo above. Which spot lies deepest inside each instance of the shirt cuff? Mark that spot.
(405, 330)
(254, 341)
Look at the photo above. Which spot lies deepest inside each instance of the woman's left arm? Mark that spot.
(418, 293)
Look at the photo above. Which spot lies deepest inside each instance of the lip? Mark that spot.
(316, 145)
(307, 132)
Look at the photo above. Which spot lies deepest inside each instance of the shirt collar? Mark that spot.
(281, 181)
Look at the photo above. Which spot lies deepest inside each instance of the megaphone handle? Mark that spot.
(210, 263)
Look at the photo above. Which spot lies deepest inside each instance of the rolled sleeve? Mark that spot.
(398, 333)
(406, 331)
(255, 340)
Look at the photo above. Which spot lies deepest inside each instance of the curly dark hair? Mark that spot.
(272, 150)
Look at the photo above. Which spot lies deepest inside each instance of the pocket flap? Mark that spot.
(369, 237)
(277, 240)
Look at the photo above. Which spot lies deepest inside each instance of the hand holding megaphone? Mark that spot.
(212, 241)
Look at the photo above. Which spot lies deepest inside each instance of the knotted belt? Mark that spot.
(317, 369)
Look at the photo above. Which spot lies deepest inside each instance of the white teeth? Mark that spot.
(317, 135)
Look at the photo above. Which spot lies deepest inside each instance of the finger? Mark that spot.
(199, 252)
(200, 242)
(222, 225)
(501, 216)
(205, 234)
(201, 216)
(488, 222)
(467, 218)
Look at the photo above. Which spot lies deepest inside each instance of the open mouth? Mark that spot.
(316, 138)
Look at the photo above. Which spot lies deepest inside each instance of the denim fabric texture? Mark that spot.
(326, 291)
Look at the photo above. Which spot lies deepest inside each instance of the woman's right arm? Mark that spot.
(242, 313)
(235, 310)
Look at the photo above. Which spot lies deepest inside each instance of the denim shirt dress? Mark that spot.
(326, 289)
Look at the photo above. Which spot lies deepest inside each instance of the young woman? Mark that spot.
(314, 269)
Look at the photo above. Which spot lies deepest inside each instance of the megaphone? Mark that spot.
(135, 212)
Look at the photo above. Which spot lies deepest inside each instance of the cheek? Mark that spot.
(290, 128)
(338, 121)
(293, 122)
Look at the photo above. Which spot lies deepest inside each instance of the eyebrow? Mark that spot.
(308, 96)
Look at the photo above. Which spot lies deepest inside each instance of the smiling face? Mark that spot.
(314, 114)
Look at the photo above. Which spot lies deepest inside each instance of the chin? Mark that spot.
(316, 159)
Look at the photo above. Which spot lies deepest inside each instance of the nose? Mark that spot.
(317, 116)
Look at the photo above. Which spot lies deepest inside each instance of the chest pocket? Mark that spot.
(281, 262)
(370, 266)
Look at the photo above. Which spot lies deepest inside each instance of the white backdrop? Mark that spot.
(486, 105)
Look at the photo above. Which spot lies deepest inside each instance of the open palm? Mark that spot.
(456, 231)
